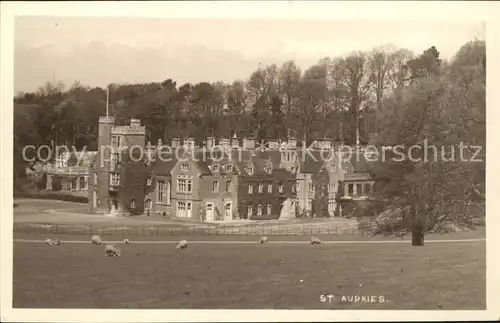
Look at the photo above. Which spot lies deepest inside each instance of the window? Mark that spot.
(331, 205)
(297, 186)
(181, 209)
(184, 167)
(115, 159)
(261, 187)
(309, 203)
(132, 204)
(269, 209)
(168, 186)
(269, 188)
(310, 186)
(228, 168)
(149, 181)
(184, 209)
(249, 169)
(114, 179)
(147, 204)
(215, 186)
(249, 210)
(350, 189)
(228, 186)
(215, 167)
(161, 191)
(95, 178)
(259, 210)
(115, 141)
(250, 188)
(280, 188)
(344, 166)
(73, 184)
(83, 183)
(358, 189)
(184, 185)
(330, 187)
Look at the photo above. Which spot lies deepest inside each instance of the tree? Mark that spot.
(434, 186)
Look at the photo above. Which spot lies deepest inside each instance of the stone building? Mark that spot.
(219, 182)
(105, 175)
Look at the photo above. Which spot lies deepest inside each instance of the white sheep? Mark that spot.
(49, 242)
(57, 242)
(96, 239)
(111, 250)
(263, 240)
(182, 244)
(126, 241)
(315, 240)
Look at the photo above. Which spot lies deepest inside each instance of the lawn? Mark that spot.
(250, 276)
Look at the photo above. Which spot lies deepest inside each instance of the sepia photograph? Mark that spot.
(214, 161)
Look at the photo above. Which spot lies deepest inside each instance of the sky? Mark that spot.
(97, 51)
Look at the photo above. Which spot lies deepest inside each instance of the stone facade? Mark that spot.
(190, 182)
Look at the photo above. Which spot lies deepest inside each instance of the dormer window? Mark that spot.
(249, 169)
(149, 181)
(184, 167)
(215, 168)
(228, 168)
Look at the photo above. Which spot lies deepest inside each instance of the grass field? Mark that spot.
(250, 276)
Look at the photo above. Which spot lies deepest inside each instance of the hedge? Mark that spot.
(53, 196)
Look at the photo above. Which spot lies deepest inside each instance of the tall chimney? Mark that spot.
(235, 142)
(210, 142)
(176, 142)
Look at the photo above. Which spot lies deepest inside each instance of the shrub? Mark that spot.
(54, 196)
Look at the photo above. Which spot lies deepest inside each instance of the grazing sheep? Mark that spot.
(182, 244)
(96, 239)
(57, 242)
(49, 242)
(111, 250)
(315, 240)
(127, 241)
(263, 240)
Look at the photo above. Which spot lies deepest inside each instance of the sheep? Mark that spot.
(49, 242)
(96, 239)
(126, 241)
(315, 240)
(263, 240)
(57, 242)
(182, 244)
(111, 250)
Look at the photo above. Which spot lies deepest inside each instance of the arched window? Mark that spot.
(269, 209)
(148, 204)
(132, 204)
(259, 210)
(249, 210)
